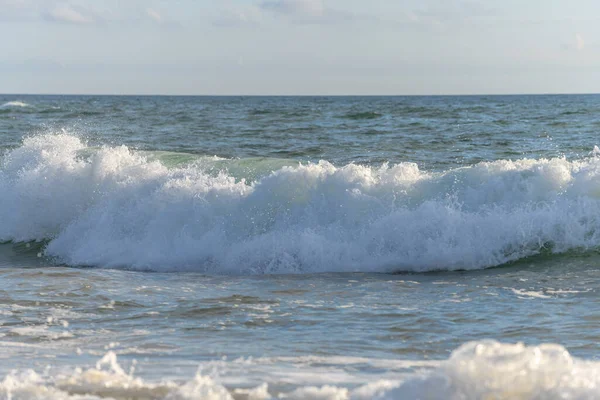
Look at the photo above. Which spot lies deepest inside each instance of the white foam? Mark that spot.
(106, 380)
(477, 370)
(530, 293)
(40, 331)
(115, 208)
(488, 369)
(14, 104)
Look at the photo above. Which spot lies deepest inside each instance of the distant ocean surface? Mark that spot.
(299, 247)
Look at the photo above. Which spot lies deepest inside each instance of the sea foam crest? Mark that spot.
(14, 104)
(113, 207)
(477, 370)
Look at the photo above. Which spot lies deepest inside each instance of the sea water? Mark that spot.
(299, 247)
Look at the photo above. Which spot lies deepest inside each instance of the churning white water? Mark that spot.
(115, 208)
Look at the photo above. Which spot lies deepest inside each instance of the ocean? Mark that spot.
(299, 247)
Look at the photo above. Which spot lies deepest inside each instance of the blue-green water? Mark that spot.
(299, 247)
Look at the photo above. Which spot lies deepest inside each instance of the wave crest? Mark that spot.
(115, 207)
(14, 104)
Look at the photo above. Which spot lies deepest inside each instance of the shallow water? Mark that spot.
(217, 255)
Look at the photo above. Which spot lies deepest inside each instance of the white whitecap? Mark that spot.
(114, 207)
(14, 104)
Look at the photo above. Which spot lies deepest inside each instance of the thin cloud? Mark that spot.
(17, 10)
(579, 42)
(82, 12)
(12, 4)
(299, 8)
(162, 19)
(233, 16)
(310, 11)
(154, 15)
(67, 14)
(438, 12)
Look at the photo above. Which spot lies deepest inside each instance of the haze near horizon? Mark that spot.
(299, 47)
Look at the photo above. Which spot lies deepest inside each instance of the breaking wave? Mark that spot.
(477, 370)
(115, 207)
(14, 104)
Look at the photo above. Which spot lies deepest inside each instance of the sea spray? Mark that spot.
(115, 207)
(484, 369)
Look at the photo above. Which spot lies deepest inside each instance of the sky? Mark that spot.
(299, 47)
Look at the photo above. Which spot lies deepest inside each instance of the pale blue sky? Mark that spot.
(299, 46)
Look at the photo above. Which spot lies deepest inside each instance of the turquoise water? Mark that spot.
(299, 247)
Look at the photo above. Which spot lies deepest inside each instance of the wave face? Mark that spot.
(477, 370)
(114, 207)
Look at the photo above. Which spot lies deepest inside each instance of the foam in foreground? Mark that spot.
(477, 370)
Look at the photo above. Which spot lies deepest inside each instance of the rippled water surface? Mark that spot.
(334, 248)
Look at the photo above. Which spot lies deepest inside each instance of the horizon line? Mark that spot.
(303, 95)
